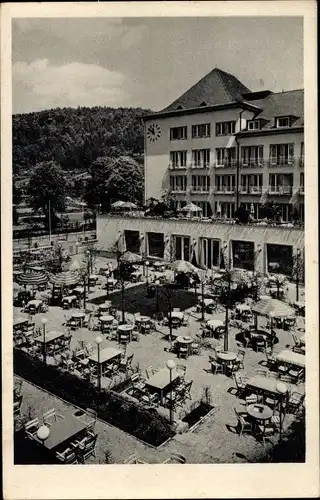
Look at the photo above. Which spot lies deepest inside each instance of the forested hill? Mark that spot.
(74, 138)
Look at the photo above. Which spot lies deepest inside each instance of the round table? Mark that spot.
(106, 319)
(176, 314)
(142, 319)
(125, 328)
(260, 412)
(227, 356)
(243, 308)
(78, 315)
(214, 323)
(105, 307)
(208, 302)
(185, 342)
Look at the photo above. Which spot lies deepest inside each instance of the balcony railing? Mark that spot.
(225, 163)
(178, 190)
(280, 190)
(200, 189)
(277, 161)
(255, 189)
(225, 189)
(175, 166)
(200, 165)
(252, 163)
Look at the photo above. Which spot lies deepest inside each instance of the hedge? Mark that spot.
(129, 416)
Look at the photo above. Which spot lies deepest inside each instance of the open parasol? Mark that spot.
(191, 207)
(67, 278)
(131, 257)
(272, 308)
(183, 266)
(32, 278)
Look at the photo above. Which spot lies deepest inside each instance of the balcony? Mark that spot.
(200, 189)
(252, 163)
(225, 163)
(174, 166)
(178, 190)
(280, 161)
(256, 190)
(203, 165)
(224, 190)
(279, 190)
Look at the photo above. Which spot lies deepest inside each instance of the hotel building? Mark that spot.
(221, 146)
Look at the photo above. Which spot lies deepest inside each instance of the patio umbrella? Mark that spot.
(129, 204)
(74, 266)
(183, 266)
(191, 207)
(273, 308)
(32, 278)
(131, 257)
(66, 278)
(117, 204)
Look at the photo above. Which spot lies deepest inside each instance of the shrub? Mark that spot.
(130, 416)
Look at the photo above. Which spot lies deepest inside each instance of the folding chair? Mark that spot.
(31, 427)
(50, 415)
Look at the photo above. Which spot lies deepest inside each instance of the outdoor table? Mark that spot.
(291, 358)
(79, 290)
(19, 322)
(263, 384)
(160, 382)
(260, 412)
(78, 315)
(106, 318)
(207, 302)
(226, 357)
(106, 355)
(50, 337)
(94, 277)
(241, 308)
(176, 314)
(69, 298)
(142, 319)
(214, 323)
(104, 307)
(35, 303)
(158, 265)
(159, 275)
(185, 342)
(136, 274)
(62, 431)
(125, 329)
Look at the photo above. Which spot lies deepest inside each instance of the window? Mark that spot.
(132, 239)
(225, 128)
(203, 130)
(281, 154)
(285, 212)
(225, 209)
(225, 157)
(210, 250)
(252, 156)
(302, 182)
(284, 121)
(225, 183)
(201, 158)
(280, 183)
(251, 183)
(254, 125)
(280, 255)
(155, 245)
(200, 183)
(205, 207)
(243, 255)
(178, 183)
(302, 154)
(178, 159)
(178, 133)
(253, 209)
(182, 247)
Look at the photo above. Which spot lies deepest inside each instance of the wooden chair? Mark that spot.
(261, 373)
(260, 343)
(270, 358)
(134, 459)
(17, 406)
(265, 430)
(185, 319)
(137, 382)
(216, 367)
(17, 387)
(295, 402)
(240, 383)
(91, 424)
(149, 371)
(50, 415)
(297, 374)
(68, 456)
(182, 352)
(86, 449)
(175, 458)
(240, 357)
(187, 390)
(251, 399)
(31, 427)
(243, 424)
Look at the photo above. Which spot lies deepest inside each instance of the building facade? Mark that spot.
(221, 146)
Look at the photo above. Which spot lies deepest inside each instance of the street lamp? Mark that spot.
(282, 390)
(44, 321)
(43, 433)
(202, 300)
(98, 342)
(171, 366)
(147, 269)
(88, 269)
(157, 283)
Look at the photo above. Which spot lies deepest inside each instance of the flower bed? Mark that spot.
(111, 407)
(197, 414)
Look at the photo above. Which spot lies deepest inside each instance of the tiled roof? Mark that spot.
(289, 103)
(216, 88)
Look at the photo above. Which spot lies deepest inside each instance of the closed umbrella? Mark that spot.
(66, 278)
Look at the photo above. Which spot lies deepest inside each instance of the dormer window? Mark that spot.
(254, 125)
(283, 121)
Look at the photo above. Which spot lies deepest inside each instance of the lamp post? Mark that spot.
(123, 319)
(282, 390)
(98, 342)
(77, 247)
(147, 269)
(88, 269)
(202, 300)
(171, 366)
(297, 266)
(44, 350)
(43, 433)
(157, 283)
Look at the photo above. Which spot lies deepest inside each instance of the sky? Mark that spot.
(147, 62)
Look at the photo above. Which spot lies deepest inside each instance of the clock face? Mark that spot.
(153, 132)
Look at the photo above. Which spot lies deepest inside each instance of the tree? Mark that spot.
(298, 270)
(270, 210)
(242, 215)
(47, 189)
(114, 179)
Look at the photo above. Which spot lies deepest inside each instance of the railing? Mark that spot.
(200, 165)
(255, 189)
(252, 163)
(179, 191)
(281, 161)
(200, 189)
(224, 189)
(280, 189)
(225, 164)
(174, 166)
